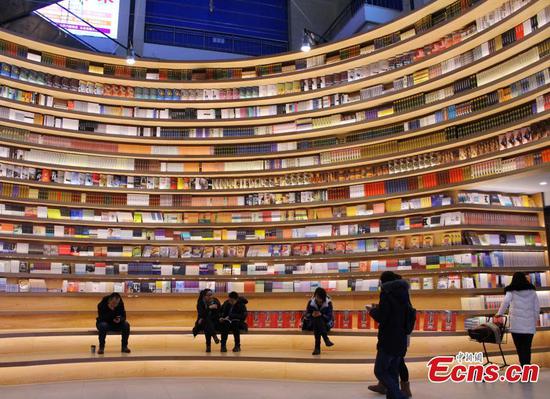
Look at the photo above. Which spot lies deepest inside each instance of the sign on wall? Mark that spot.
(103, 14)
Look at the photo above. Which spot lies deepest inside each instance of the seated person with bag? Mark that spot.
(233, 318)
(319, 318)
(111, 316)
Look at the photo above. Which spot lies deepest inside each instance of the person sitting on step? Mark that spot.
(111, 316)
(319, 318)
(208, 315)
(233, 318)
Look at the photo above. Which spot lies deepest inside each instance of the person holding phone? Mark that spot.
(111, 316)
(319, 318)
(208, 314)
(233, 318)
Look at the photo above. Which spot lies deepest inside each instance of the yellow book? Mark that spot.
(351, 211)
(181, 183)
(33, 193)
(260, 234)
(426, 202)
(138, 217)
(236, 269)
(259, 286)
(218, 268)
(393, 205)
(158, 286)
(218, 234)
(54, 213)
(525, 201)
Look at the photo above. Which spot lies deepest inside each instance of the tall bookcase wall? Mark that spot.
(275, 176)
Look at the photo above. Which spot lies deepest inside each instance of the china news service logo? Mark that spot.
(469, 367)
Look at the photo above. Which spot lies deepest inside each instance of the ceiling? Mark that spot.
(527, 183)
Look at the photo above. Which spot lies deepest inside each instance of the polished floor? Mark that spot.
(177, 388)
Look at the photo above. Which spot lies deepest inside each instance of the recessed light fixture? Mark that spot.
(543, 183)
(130, 55)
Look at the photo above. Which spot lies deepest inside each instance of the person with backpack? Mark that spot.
(521, 297)
(396, 318)
(319, 318)
(208, 311)
(233, 318)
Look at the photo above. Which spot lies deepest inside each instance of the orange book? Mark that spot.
(249, 286)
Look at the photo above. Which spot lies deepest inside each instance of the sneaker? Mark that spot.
(223, 348)
(126, 350)
(316, 351)
(237, 348)
(101, 351)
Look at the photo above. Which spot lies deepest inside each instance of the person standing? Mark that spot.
(233, 318)
(208, 314)
(521, 297)
(319, 318)
(111, 316)
(396, 318)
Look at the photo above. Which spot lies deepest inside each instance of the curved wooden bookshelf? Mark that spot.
(355, 85)
(534, 145)
(212, 242)
(521, 108)
(311, 204)
(285, 277)
(347, 107)
(347, 219)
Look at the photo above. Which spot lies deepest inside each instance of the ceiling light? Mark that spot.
(543, 183)
(306, 42)
(130, 55)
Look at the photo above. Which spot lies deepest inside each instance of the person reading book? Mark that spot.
(232, 319)
(111, 316)
(319, 318)
(396, 318)
(208, 315)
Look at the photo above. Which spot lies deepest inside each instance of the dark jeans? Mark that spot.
(234, 327)
(523, 347)
(209, 327)
(386, 369)
(320, 329)
(403, 371)
(104, 327)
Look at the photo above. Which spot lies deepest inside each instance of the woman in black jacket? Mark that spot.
(208, 314)
(233, 318)
(319, 318)
(395, 316)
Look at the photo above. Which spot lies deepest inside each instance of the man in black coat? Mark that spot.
(395, 317)
(233, 318)
(111, 316)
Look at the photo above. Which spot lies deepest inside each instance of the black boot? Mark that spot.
(208, 348)
(328, 342)
(216, 339)
(237, 348)
(223, 348)
(316, 351)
